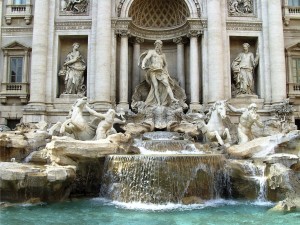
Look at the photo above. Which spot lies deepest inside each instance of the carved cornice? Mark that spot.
(162, 34)
(73, 25)
(192, 27)
(16, 30)
(237, 25)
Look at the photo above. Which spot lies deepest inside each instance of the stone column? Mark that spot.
(123, 84)
(136, 68)
(39, 54)
(25, 69)
(276, 49)
(5, 69)
(113, 67)
(180, 62)
(215, 51)
(194, 70)
(103, 56)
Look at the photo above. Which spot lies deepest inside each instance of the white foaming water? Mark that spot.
(257, 172)
(262, 180)
(29, 157)
(145, 151)
(168, 206)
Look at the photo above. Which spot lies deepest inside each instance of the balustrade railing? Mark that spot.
(15, 88)
(294, 89)
(290, 12)
(18, 11)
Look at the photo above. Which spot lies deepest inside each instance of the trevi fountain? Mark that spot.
(160, 162)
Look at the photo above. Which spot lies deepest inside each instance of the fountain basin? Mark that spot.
(164, 178)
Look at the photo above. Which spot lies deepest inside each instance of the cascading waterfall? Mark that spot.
(262, 180)
(164, 178)
(257, 172)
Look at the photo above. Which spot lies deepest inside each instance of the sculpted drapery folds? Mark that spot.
(243, 69)
(157, 77)
(73, 70)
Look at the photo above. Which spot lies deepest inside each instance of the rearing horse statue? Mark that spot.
(215, 129)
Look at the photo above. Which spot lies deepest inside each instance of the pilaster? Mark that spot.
(180, 61)
(39, 58)
(136, 55)
(123, 84)
(276, 51)
(215, 51)
(103, 56)
(194, 69)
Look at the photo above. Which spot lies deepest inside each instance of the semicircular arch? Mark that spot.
(193, 10)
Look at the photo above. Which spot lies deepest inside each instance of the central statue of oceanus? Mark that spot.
(158, 89)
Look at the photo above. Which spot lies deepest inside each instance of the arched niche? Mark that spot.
(193, 6)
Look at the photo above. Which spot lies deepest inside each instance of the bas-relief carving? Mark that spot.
(74, 6)
(241, 7)
(73, 72)
(243, 70)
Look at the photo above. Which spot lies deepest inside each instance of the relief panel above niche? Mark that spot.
(74, 7)
(241, 8)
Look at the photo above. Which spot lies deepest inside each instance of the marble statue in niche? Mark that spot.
(157, 76)
(74, 6)
(243, 70)
(73, 72)
(240, 7)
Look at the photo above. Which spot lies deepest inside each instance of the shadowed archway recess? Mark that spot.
(159, 14)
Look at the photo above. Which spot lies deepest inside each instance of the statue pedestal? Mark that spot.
(71, 97)
(122, 106)
(243, 101)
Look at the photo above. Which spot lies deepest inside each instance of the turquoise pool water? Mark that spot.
(101, 211)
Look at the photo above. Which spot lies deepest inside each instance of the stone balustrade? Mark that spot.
(18, 11)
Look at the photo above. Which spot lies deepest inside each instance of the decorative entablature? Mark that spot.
(247, 26)
(191, 27)
(73, 25)
(241, 8)
(9, 31)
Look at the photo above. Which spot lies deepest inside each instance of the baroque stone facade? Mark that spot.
(202, 38)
